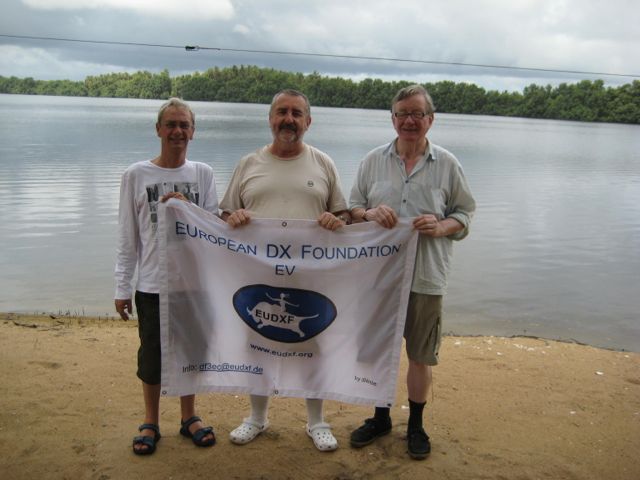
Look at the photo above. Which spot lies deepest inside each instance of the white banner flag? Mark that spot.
(282, 307)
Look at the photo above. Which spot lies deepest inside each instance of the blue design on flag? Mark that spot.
(288, 315)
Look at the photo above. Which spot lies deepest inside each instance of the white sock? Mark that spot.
(314, 411)
(259, 408)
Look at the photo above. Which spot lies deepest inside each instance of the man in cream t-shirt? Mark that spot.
(286, 179)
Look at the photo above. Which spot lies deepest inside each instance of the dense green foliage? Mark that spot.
(586, 100)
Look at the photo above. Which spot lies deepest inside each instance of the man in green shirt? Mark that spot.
(412, 177)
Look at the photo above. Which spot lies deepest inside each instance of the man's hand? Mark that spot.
(237, 218)
(382, 214)
(124, 308)
(176, 195)
(329, 221)
(430, 226)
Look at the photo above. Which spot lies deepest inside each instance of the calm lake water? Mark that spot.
(554, 249)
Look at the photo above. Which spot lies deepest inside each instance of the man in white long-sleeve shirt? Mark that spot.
(144, 185)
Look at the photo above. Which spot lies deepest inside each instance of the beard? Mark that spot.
(288, 132)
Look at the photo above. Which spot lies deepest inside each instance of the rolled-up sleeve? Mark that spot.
(358, 195)
(462, 205)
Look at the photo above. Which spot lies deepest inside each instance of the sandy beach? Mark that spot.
(501, 408)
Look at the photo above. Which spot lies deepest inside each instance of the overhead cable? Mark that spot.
(196, 48)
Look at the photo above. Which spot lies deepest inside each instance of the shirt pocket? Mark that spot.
(431, 200)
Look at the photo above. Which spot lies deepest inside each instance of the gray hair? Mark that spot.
(293, 93)
(176, 103)
(410, 91)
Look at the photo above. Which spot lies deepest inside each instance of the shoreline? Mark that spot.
(500, 408)
(76, 318)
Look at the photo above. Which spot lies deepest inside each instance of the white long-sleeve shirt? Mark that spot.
(143, 185)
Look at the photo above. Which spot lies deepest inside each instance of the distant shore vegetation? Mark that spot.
(586, 100)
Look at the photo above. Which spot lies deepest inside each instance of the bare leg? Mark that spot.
(151, 394)
(419, 377)
(188, 410)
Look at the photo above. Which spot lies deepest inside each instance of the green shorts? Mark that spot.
(423, 328)
(149, 353)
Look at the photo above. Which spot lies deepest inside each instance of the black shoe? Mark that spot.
(367, 433)
(418, 443)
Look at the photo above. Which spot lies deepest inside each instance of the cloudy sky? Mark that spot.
(567, 35)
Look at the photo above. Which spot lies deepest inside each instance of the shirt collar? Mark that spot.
(429, 154)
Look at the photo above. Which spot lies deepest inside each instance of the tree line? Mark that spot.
(586, 100)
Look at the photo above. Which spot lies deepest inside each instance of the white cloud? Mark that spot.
(79, 21)
(242, 29)
(547, 34)
(193, 9)
(41, 64)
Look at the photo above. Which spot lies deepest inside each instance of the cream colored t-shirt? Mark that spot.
(301, 187)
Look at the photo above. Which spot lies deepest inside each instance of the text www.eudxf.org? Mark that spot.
(281, 354)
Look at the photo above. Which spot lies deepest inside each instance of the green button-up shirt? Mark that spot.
(436, 185)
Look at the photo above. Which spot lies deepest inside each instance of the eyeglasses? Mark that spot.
(180, 125)
(414, 115)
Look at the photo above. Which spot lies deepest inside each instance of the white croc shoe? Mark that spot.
(247, 431)
(322, 437)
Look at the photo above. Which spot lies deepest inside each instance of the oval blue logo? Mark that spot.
(288, 315)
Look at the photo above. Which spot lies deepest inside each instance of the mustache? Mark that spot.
(289, 126)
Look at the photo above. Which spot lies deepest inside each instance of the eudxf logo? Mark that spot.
(289, 315)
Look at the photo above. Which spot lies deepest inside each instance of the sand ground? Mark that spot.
(501, 408)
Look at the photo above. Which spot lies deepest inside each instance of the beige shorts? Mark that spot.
(423, 328)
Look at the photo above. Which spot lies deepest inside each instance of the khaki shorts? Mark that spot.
(423, 328)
